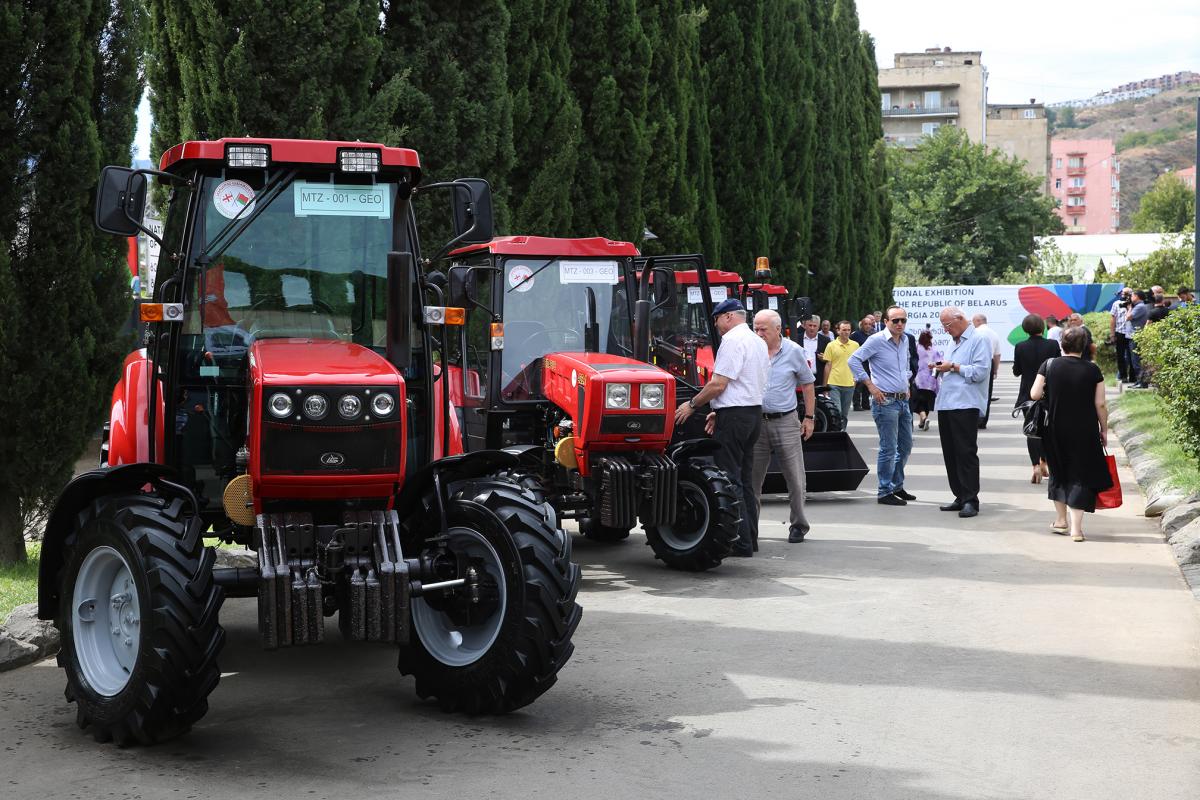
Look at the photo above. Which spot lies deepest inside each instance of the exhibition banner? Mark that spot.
(1004, 306)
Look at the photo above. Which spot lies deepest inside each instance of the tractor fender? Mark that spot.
(530, 455)
(75, 497)
(694, 447)
(450, 470)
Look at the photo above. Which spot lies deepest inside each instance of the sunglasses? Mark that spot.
(899, 320)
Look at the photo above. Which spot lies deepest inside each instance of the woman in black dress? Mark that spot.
(1077, 433)
(1028, 356)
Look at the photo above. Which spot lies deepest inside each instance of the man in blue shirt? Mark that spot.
(782, 432)
(887, 384)
(961, 401)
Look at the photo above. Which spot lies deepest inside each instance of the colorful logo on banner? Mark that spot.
(1063, 299)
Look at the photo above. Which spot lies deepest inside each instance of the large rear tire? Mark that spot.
(828, 416)
(508, 656)
(139, 619)
(706, 522)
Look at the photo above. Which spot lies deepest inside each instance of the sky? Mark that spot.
(1045, 49)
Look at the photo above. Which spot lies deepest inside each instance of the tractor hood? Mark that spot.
(616, 420)
(326, 419)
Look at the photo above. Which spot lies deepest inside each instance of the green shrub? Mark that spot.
(1172, 348)
(1100, 324)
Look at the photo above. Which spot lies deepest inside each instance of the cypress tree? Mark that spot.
(66, 288)
(699, 137)
(609, 76)
(740, 131)
(546, 119)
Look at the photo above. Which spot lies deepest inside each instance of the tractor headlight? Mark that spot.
(315, 406)
(616, 395)
(652, 395)
(349, 406)
(383, 404)
(280, 405)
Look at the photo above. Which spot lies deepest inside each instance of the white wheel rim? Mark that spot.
(447, 642)
(106, 621)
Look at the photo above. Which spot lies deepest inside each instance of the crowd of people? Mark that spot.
(760, 376)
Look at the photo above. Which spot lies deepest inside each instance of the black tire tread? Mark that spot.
(521, 667)
(177, 667)
(724, 518)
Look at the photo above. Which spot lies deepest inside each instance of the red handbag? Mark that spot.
(1110, 498)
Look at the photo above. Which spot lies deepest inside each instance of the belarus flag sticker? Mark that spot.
(233, 198)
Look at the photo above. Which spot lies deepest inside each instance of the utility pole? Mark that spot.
(1196, 227)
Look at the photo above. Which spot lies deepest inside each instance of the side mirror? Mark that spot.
(120, 201)
(801, 308)
(471, 206)
(664, 288)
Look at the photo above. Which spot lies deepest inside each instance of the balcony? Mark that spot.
(1075, 191)
(1075, 211)
(1077, 171)
(906, 140)
(922, 111)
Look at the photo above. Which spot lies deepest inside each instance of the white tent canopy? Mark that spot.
(1114, 249)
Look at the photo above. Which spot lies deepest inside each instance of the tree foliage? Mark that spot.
(965, 214)
(1170, 266)
(65, 286)
(1170, 347)
(1168, 207)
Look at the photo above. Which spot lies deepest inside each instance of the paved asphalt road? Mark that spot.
(899, 653)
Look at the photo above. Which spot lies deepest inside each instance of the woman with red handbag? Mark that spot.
(1077, 432)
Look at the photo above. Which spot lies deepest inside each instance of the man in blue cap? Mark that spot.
(735, 392)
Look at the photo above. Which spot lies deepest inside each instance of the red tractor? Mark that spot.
(553, 364)
(288, 397)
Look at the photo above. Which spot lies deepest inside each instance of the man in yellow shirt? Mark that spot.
(841, 380)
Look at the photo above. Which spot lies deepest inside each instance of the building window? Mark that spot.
(1075, 201)
(1116, 221)
(1030, 114)
(1058, 183)
(1075, 161)
(1116, 203)
(933, 99)
(1058, 163)
(886, 98)
(929, 128)
(1076, 183)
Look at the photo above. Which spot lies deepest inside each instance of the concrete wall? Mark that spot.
(1009, 131)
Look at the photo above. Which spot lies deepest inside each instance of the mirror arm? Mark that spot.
(137, 223)
(448, 246)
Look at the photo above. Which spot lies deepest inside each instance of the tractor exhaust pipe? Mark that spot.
(641, 314)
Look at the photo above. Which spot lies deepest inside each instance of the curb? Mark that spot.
(1179, 512)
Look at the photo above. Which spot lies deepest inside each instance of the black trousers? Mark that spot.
(862, 398)
(1124, 371)
(959, 432)
(983, 421)
(737, 431)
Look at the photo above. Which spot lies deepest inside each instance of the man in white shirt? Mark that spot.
(1122, 332)
(735, 392)
(982, 329)
(814, 343)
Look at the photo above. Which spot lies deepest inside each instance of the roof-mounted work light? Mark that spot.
(255, 156)
(358, 160)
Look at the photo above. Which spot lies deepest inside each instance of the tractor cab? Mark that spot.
(554, 363)
(289, 397)
(682, 336)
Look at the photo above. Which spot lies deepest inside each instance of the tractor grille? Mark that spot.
(660, 482)
(331, 450)
(646, 490)
(618, 492)
(633, 424)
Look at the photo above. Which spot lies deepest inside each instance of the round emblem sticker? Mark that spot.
(231, 197)
(520, 278)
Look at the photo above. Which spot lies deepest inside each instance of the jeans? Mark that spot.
(843, 396)
(893, 419)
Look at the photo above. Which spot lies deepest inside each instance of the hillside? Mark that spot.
(1172, 115)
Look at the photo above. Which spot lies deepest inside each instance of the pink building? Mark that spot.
(1085, 179)
(1188, 176)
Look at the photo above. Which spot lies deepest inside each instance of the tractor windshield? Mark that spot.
(312, 263)
(546, 310)
(687, 319)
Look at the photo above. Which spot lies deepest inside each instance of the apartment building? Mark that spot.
(941, 86)
(1085, 179)
(925, 91)
(1022, 131)
(1188, 176)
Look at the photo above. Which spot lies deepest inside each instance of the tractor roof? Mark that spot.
(289, 151)
(772, 289)
(548, 247)
(715, 276)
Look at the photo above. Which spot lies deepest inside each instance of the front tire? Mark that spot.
(828, 416)
(510, 654)
(139, 620)
(706, 522)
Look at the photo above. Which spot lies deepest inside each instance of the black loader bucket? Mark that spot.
(831, 464)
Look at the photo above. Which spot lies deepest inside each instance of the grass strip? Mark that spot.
(1146, 415)
(18, 582)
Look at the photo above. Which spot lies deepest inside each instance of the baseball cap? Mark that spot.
(732, 304)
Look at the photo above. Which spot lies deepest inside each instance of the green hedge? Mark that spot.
(1172, 347)
(1100, 324)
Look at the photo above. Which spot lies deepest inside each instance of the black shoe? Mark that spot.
(955, 506)
(903, 495)
(969, 510)
(891, 500)
(983, 426)
(794, 538)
